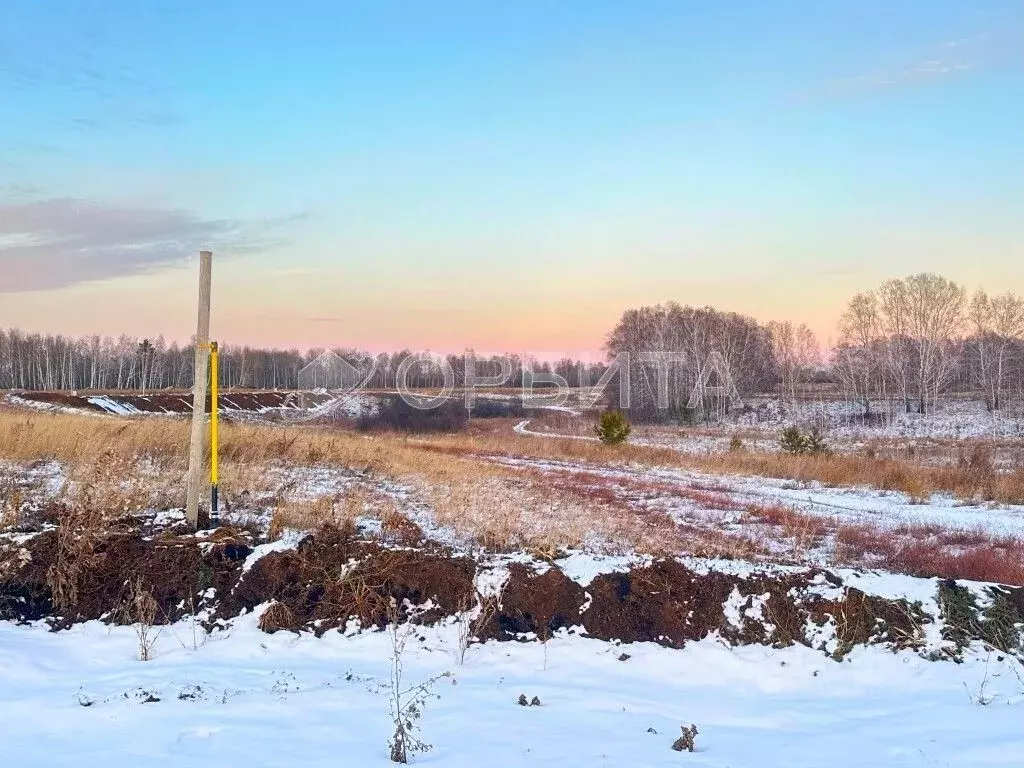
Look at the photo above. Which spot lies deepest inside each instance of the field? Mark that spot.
(862, 606)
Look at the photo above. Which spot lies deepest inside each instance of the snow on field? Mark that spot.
(352, 406)
(523, 428)
(45, 477)
(110, 405)
(698, 444)
(761, 421)
(30, 486)
(80, 697)
(35, 405)
(951, 418)
(880, 508)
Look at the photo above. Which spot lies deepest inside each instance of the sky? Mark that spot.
(501, 176)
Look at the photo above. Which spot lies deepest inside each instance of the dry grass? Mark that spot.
(397, 528)
(140, 610)
(278, 617)
(310, 514)
(970, 481)
(81, 524)
(801, 532)
(918, 551)
(509, 508)
(11, 498)
(496, 506)
(74, 439)
(342, 511)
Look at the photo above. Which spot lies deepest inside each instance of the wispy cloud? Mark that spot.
(95, 69)
(55, 243)
(984, 51)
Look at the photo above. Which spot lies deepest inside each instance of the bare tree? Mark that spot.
(923, 318)
(998, 324)
(858, 359)
(694, 358)
(796, 351)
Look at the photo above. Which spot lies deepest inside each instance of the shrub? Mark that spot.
(407, 701)
(796, 442)
(397, 415)
(793, 441)
(815, 442)
(735, 445)
(613, 428)
(490, 409)
(497, 409)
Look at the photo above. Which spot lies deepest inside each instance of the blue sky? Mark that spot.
(502, 175)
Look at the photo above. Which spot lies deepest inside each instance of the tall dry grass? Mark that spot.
(486, 503)
(74, 439)
(499, 506)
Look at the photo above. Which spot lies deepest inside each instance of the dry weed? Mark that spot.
(140, 610)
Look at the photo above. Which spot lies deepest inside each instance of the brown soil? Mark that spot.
(664, 603)
(24, 592)
(333, 577)
(174, 570)
(540, 604)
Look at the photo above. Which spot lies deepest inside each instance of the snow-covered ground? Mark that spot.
(851, 505)
(952, 418)
(81, 698)
(312, 483)
(241, 697)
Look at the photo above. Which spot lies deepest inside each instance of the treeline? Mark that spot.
(49, 362)
(692, 361)
(913, 340)
(903, 345)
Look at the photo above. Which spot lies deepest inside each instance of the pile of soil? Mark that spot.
(93, 582)
(334, 578)
(178, 402)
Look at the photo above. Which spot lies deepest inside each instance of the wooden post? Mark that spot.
(197, 452)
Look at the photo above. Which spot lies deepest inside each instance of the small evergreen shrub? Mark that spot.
(815, 442)
(796, 442)
(613, 428)
(793, 441)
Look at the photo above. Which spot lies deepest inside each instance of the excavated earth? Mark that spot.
(334, 578)
(174, 402)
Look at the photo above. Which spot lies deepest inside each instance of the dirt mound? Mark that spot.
(175, 571)
(175, 402)
(536, 603)
(669, 604)
(24, 591)
(332, 578)
(664, 603)
(862, 619)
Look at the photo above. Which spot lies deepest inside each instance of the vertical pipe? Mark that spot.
(214, 434)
